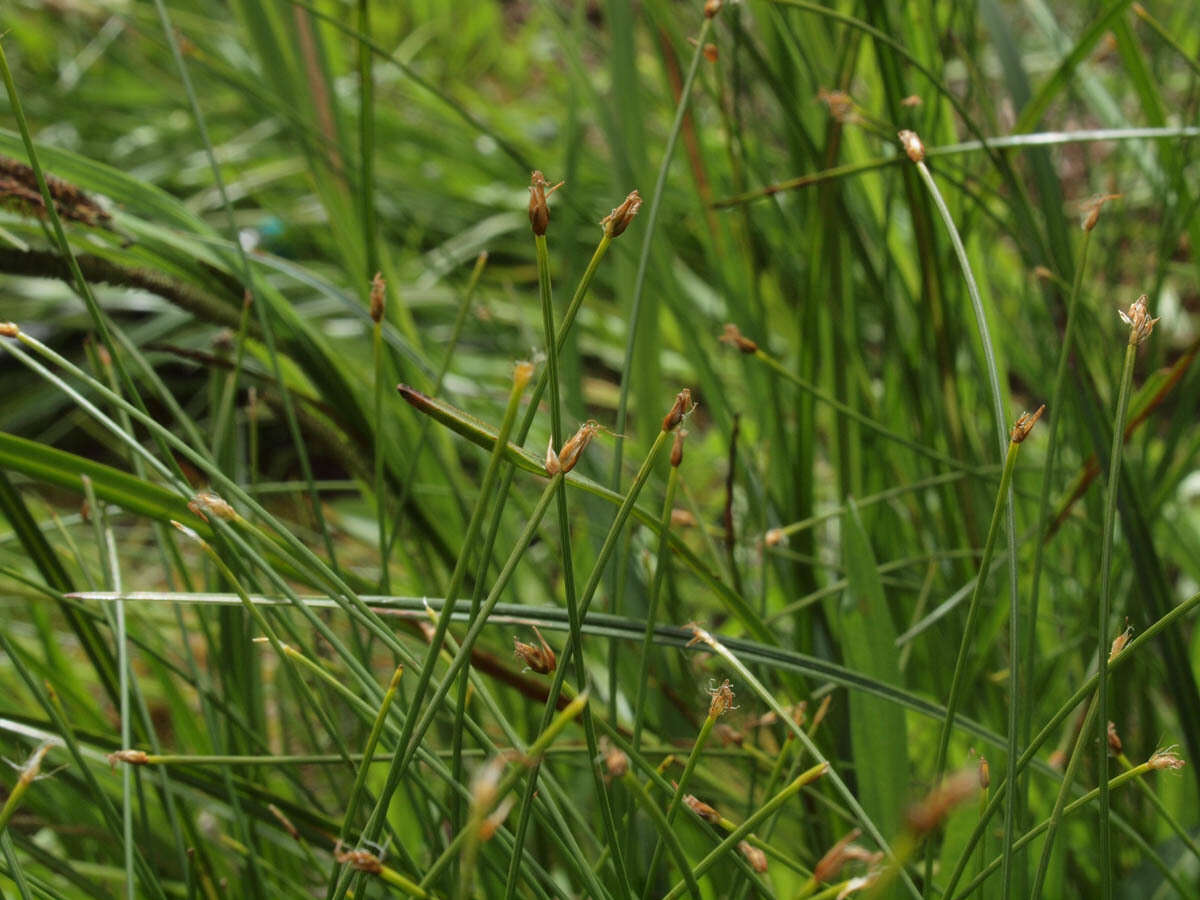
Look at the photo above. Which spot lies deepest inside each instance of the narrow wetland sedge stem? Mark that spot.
(916, 152)
(29, 773)
(666, 834)
(1104, 615)
(731, 840)
(406, 746)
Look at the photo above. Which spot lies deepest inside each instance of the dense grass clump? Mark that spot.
(863, 550)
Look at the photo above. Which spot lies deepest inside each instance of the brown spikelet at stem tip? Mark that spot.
(680, 408)
(618, 220)
(956, 789)
(712, 7)
(985, 773)
(1120, 641)
(774, 537)
(362, 860)
(572, 449)
(1043, 273)
(835, 857)
(1024, 424)
(616, 763)
(677, 448)
(378, 290)
(1138, 319)
(912, 145)
(1114, 740)
(9, 329)
(206, 504)
(133, 757)
(522, 373)
(682, 518)
(1091, 209)
(722, 700)
(539, 211)
(911, 100)
(702, 809)
(711, 53)
(841, 105)
(733, 336)
(540, 659)
(1166, 758)
(754, 856)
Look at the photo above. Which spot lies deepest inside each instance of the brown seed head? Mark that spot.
(911, 100)
(734, 338)
(677, 447)
(133, 757)
(1024, 425)
(912, 145)
(522, 373)
(540, 659)
(1114, 740)
(573, 449)
(774, 537)
(985, 774)
(206, 504)
(841, 104)
(682, 518)
(616, 763)
(831, 863)
(9, 329)
(722, 700)
(711, 53)
(362, 860)
(1057, 760)
(754, 856)
(680, 408)
(378, 291)
(712, 7)
(1138, 319)
(954, 790)
(1091, 209)
(1043, 273)
(1166, 759)
(702, 809)
(539, 212)
(618, 220)
(1120, 641)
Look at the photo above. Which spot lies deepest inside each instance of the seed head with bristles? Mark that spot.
(1024, 425)
(1114, 740)
(539, 211)
(754, 856)
(1091, 209)
(722, 700)
(835, 857)
(618, 220)
(1166, 758)
(734, 338)
(1120, 641)
(912, 145)
(540, 659)
(1138, 319)
(702, 809)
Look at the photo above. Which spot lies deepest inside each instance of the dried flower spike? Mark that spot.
(206, 504)
(9, 329)
(362, 860)
(540, 659)
(378, 290)
(616, 763)
(734, 338)
(702, 809)
(754, 856)
(1114, 740)
(618, 220)
(722, 700)
(712, 7)
(911, 101)
(954, 790)
(831, 863)
(1024, 425)
(774, 537)
(841, 105)
(1091, 209)
(682, 518)
(985, 774)
(1120, 641)
(680, 408)
(539, 212)
(912, 145)
(1166, 759)
(677, 448)
(711, 53)
(133, 757)
(1138, 319)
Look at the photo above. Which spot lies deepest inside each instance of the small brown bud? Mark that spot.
(985, 774)
(680, 408)
(1166, 759)
(540, 659)
(1114, 740)
(722, 700)
(841, 104)
(567, 458)
(754, 856)
(618, 220)
(104, 356)
(206, 504)
(711, 53)
(911, 101)
(522, 373)
(1120, 641)
(734, 338)
(553, 466)
(712, 7)
(1043, 273)
(702, 809)
(9, 329)
(539, 212)
(378, 291)
(1138, 319)
(682, 518)
(912, 145)
(954, 790)
(774, 537)
(362, 860)
(1057, 760)
(1024, 425)
(831, 863)
(1091, 209)
(616, 763)
(133, 757)
(677, 448)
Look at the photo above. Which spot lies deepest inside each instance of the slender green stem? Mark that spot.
(380, 480)
(1105, 611)
(666, 834)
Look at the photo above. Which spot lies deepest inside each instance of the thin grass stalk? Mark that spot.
(731, 840)
(1148, 792)
(1010, 519)
(381, 516)
(589, 591)
(689, 766)
(1057, 405)
(15, 871)
(564, 536)
(666, 835)
(223, 419)
(406, 744)
(1105, 610)
(264, 322)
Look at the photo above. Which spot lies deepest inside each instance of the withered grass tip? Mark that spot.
(732, 335)
(378, 290)
(1024, 425)
(912, 145)
(540, 659)
(618, 220)
(9, 329)
(680, 408)
(539, 211)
